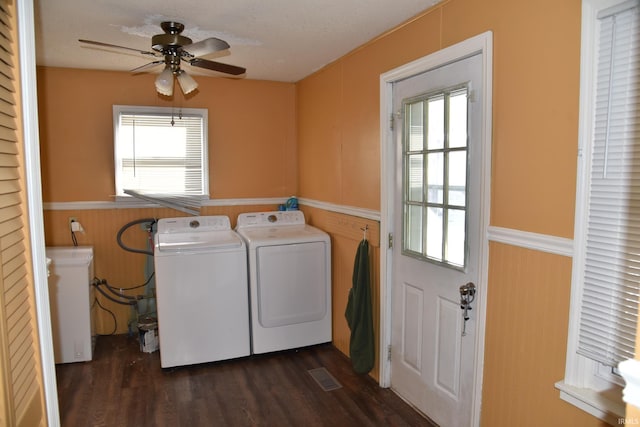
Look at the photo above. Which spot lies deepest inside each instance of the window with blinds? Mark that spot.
(610, 290)
(161, 152)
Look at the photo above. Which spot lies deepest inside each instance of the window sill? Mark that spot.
(630, 371)
(593, 402)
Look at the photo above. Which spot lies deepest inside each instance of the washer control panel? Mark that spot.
(265, 219)
(195, 223)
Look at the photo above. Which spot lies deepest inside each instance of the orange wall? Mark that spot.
(331, 120)
(536, 84)
(536, 72)
(252, 154)
(252, 147)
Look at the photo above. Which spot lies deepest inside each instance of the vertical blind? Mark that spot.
(612, 252)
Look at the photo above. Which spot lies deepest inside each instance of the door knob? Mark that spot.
(467, 295)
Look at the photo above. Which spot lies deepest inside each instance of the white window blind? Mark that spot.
(612, 256)
(161, 153)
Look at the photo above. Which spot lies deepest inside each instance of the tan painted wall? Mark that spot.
(252, 148)
(252, 154)
(535, 123)
(536, 82)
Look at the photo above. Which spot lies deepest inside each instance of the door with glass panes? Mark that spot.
(436, 205)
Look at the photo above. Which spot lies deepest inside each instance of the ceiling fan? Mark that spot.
(174, 48)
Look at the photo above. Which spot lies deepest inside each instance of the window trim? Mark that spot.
(584, 385)
(203, 112)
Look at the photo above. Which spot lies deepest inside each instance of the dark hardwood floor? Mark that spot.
(123, 386)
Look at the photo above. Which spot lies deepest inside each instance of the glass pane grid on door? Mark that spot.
(435, 152)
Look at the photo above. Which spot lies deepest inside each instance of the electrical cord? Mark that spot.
(113, 316)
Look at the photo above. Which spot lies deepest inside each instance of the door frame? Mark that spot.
(33, 187)
(482, 43)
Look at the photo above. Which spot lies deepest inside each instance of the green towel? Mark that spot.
(358, 313)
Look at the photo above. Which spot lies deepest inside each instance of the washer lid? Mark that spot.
(173, 242)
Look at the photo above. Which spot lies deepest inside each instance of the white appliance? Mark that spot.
(289, 280)
(71, 299)
(201, 290)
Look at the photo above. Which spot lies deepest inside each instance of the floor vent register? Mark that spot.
(324, 379)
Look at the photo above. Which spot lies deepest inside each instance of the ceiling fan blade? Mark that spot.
(95, 43)
(205, 47)
(147, 65)
(217, 66)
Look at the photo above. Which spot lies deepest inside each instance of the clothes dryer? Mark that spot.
(289, 280)
(202, 291)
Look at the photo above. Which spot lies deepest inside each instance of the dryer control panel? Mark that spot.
(264, 219)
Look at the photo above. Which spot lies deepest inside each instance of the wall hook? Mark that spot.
(364, 231)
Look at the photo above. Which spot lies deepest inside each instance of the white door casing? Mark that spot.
(446, 308)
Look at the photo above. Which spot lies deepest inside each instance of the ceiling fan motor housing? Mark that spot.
(171, 45)
(172, 40)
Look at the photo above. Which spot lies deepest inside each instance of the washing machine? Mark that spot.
(202, 291)
(289, 280)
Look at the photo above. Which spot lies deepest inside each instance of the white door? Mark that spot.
(436, 229)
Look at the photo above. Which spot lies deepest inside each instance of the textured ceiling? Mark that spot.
(281, 40)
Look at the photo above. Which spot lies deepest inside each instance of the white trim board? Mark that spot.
(134, 204)
(137, 204)
(525, 239)
(343, 209)
(538, 242)
(28, 88)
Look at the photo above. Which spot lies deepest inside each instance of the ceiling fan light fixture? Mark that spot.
(187, 83)
(174, 48)
(164, 82)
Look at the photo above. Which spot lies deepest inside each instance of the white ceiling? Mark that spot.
(281, 40)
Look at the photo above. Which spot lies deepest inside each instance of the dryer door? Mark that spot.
(292, 283)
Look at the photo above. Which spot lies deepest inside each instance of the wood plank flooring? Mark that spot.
(125, 387)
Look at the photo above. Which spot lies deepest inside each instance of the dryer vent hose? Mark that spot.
(150, 221)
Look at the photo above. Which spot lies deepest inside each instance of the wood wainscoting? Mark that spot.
(346, 233)
(121, 269)
(124, 269)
